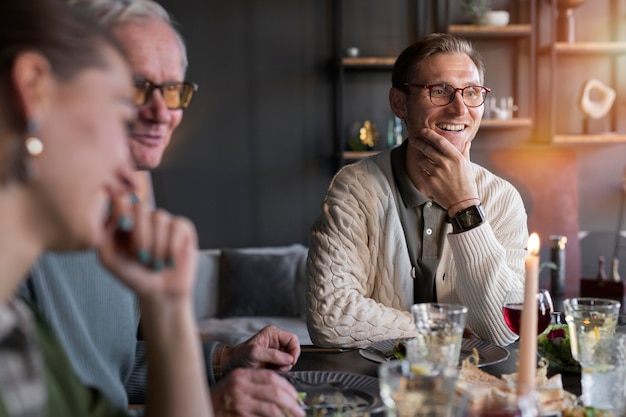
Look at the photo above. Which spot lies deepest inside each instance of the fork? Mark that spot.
(386, 356)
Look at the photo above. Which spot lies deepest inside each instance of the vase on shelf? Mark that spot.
(565, 24)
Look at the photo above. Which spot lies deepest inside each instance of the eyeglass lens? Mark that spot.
(442, 95)
(177, 95)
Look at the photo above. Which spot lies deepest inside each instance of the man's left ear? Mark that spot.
(397, 101)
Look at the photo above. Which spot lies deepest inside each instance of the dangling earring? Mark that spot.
(34, 145)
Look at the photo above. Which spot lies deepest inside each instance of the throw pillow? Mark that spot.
(257, 284)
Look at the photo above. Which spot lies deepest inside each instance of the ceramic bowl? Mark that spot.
(496, 18)
(352, 52)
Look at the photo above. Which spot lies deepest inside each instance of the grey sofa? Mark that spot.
(240, 291)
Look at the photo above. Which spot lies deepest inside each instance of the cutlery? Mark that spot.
(389, 356)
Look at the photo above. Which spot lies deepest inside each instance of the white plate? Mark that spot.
(488, 353)
(363, 386)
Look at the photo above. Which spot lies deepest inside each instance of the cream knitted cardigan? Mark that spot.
(359, 286)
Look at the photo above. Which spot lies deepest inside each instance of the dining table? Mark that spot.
(315, 358)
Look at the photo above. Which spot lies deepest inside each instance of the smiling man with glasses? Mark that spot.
(420, 222)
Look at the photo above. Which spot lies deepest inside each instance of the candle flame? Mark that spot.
(533, 244)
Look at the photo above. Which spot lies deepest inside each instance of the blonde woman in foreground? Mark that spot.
(65, 182)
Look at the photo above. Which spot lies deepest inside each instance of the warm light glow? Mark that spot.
(533, 244)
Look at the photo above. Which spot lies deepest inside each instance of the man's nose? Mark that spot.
(155, 107)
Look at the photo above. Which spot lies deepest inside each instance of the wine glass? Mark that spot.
(512, 309)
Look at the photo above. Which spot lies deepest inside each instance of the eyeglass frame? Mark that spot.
(430, 87)
(151, 86)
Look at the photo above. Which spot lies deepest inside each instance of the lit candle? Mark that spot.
(527, 371)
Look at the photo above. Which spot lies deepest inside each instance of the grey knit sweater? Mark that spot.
(96, 319)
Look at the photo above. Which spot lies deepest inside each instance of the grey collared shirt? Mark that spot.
(424, 226)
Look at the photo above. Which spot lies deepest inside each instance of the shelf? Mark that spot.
(354, 155)
(582, 139)
(508, 123)
(491, 31)
(369, 62)
(587, 48)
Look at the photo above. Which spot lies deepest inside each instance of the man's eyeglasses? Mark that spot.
(177, 95)
(443, 94)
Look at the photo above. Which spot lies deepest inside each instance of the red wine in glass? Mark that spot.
(512, 310)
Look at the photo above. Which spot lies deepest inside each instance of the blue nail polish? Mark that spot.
(171, 263)
(157, 265)
(143, 255)
(134, 199)
(125, 224)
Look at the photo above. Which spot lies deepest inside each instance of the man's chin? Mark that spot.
(146, 156)
(146, 161)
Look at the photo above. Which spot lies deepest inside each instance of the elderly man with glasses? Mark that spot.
(420, 222)
(94, 316)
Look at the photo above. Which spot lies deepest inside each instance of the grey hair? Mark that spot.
(112, 13)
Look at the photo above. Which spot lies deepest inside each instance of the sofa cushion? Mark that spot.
(260, 281)
(206, 283)
(233, 331)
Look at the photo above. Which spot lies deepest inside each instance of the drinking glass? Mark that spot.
(512, 309)
(600, 352)
(417, 389)
(439, 334)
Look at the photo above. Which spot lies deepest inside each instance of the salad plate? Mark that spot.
(553, 345)
(357, 389)
(489, 354)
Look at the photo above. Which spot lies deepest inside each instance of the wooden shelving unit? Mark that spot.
(586, 48)
(588, 139)
(515, 122)
(557, 125)
(442, 16)
(513, 30)
(368, 62)
(520, 38)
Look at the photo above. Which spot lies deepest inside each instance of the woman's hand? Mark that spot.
(152, 252)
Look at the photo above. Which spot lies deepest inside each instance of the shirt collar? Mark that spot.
(411, 196)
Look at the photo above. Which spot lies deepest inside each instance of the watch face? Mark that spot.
(470, 217)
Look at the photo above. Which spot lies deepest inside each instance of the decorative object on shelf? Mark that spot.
(352, 52)
(394, 132)
(502, 112)
(475, 10)
(363, 137)
(603, 98)
(565, 25)
(496, 18)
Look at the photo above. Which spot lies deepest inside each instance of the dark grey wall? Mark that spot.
(253, 157)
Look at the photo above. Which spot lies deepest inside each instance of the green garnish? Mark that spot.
(399, 350)
(554, 346)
